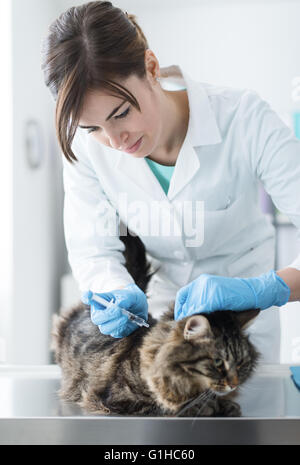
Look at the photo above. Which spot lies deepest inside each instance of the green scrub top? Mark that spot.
(162, 173)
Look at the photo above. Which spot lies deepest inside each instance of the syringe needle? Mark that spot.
(132, 317)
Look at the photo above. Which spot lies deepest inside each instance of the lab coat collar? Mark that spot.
(202, 130)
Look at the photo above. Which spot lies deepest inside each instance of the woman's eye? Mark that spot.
(123, 115)
(218, 362)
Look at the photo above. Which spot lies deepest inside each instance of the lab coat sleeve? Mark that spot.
(91, 235)
(273, 155)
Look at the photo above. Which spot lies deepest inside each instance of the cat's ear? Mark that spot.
(197, 327)
(247, 317)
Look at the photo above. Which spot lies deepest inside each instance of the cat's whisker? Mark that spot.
(210, 395)
(190, 403)
(204, 395)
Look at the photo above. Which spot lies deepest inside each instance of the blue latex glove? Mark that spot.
(209, 293)
(296, 375)
(111, 321)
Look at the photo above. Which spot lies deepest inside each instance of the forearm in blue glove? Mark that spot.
(111, 321)
(210, 293)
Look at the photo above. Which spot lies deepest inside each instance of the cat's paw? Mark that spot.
(228, 408)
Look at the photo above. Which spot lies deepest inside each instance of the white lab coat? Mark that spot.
(234, 141)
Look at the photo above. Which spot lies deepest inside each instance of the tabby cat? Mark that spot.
(189, 367)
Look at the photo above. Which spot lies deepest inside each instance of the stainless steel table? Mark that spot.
(31, 413)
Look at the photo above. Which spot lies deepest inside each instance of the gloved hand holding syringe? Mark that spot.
(120, 312)
(136, 319)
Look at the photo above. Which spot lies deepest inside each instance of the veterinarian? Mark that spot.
(137, 152)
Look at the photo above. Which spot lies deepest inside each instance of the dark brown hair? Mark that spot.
(89, 47)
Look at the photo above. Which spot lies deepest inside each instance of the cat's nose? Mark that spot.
(233, 381)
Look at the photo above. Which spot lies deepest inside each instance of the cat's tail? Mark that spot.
(136, 261)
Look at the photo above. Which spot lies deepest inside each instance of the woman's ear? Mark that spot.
(151, 66)
(197, 327)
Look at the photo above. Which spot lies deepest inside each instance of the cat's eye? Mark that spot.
(218, 362)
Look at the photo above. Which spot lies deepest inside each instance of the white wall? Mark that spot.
(38, 249)
(6, 177)
(239, 43)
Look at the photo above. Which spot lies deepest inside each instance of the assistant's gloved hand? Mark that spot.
(112, 321)
(209, 293)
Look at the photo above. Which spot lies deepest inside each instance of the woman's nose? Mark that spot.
(115, 144)
(116, 140)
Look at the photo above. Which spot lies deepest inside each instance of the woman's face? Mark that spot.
(117, 124)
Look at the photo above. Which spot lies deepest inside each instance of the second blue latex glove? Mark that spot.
(111, 321)
(210, 293)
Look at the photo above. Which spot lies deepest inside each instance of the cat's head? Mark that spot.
(201, 352)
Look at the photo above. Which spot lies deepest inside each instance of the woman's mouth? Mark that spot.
(135, 147)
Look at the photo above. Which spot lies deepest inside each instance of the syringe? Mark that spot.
(132, 317)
